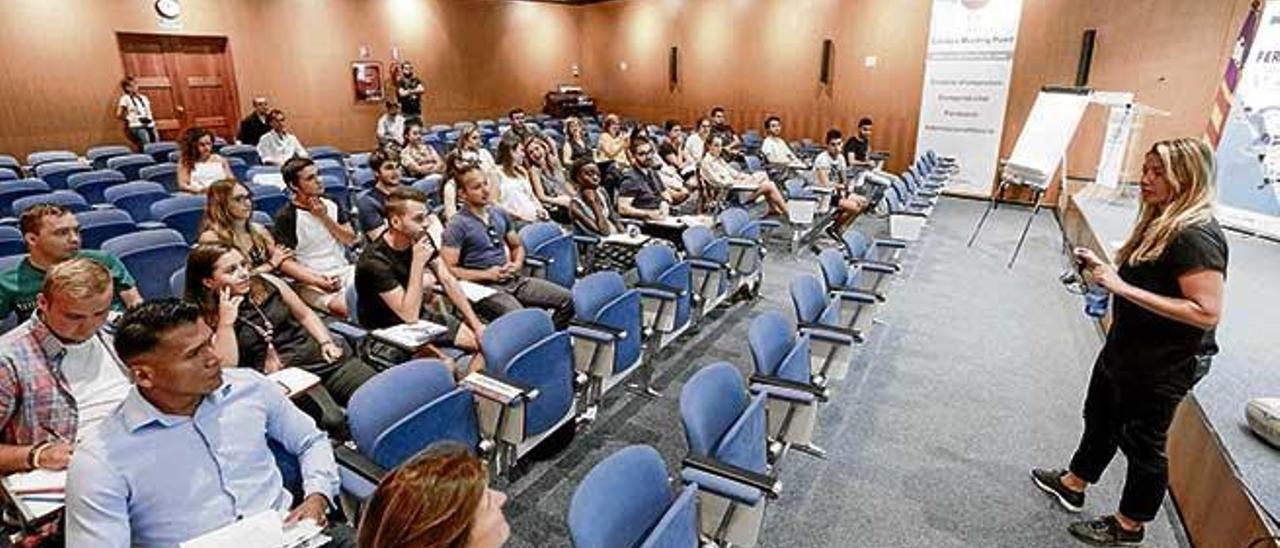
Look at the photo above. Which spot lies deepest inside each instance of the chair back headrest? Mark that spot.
(696, 239)
(808, 298)
(384, 399)
(144, 240)
(710, 403)
(536, 234)
(733, 220)
(653, 260)
(855, 242)
(770, 338)
(513, 332)
(594, 291)
(834, 269)
(620, 499)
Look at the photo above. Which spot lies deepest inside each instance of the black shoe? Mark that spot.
(834, 234)
(1050, 481)
(1105, 531)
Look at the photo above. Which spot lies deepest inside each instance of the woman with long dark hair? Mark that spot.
(1168, 300)
(198, 165)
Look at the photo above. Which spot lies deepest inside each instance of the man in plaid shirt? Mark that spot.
(59, 375)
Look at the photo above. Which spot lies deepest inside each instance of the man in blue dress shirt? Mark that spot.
(186, 452)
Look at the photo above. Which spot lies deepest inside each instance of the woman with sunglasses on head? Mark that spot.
(575, 145)
(1168, 300)
(515, 192)
(261, 323)
(228, 220)
(439, 498)
(550, 181)
(198, 165)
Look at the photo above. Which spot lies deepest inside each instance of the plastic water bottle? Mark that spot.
(1096, 300)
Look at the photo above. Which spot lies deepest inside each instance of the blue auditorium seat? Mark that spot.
(7, 174)
(726, 430)
(130, 164)
(550, 253)
(10, 163)
(267, 199)
(325, 153)
(159, 150)
(838, 313)
(178, 283)
(626, 500)
(135, 197)
(91, 184)
(65, 198)
(330, 167)
(151, 256)
(713, 278)
(666, 288)
(35, 159)
(100, 225)
(607, 332)
(11, 242)
(55, 173)
(389, 424)
(362, 178)
(11, 191)
(181, 213)
(166, 174)
(246, 153)
(239, 169)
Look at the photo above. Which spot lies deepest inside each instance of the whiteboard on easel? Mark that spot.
(1045, 136)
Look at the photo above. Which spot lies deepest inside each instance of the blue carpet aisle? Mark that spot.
(976, 374)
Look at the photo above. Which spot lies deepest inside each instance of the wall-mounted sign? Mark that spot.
(366, 80)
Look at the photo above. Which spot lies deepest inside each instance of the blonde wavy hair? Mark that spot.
(1188, 167)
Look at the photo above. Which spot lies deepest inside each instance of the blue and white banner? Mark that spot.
(966, 86)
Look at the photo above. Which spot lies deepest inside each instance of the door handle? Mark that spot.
(179, 108)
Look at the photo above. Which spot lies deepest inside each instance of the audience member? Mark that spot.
(186, 452)
(777, 153)
(642, 194)
(256, 124)
(590, 207)
(417, 158)
(544, 168)
(576, 146)
(198, 165)
(397, 274)
(409, 90)
(673, 152)
(228, 220)
(481, 246)
(471, 147)
(613, 143)
(278, 145)
(371, 205)
(318, 231)
(390, 130)
(858, 147)
(720, 126)
(449, 198)
(646, 157)
(58, 375)
(830, 171)
(439, 498)
(520, 128)
(515, 188)
(134, 109)
(721, 177)
(52, 235)
(695, 145)
(260, 323)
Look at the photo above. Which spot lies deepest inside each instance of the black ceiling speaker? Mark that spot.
(828, 56)
(673, 66)
(1086, 58)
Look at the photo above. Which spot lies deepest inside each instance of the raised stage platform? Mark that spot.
(1225, 480)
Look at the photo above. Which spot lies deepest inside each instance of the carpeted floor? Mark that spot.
(976, 374)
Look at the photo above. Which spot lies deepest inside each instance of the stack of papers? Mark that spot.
(475, 292)
(626, 239)
(263, 530)
(411, 335)
(294, 381)
(36, 494)
(490, 388)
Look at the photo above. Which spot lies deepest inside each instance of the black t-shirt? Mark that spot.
(857, 147)
(252, 128)
(410, 104)
(1143, 344)
(380, 269)
(294, 345)
(644, 189)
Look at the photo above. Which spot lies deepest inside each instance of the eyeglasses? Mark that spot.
(493, 235)
(242, 198)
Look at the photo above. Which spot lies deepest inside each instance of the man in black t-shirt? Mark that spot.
(857, 148)
(396, 273)
(720, 126)
(255, 125)
(409, 89)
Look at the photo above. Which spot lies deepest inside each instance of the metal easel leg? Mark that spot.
(1035, 195)
(999, 195)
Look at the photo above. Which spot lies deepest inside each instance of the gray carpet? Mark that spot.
(977, 374)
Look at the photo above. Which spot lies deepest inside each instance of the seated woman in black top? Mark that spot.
(1168, 299)
(261, 323)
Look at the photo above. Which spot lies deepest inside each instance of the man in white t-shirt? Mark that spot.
(780, 160)
(135, 110)
(696, 144)
(59, 375)
(278, 145)
(318, 230)
(830, 170)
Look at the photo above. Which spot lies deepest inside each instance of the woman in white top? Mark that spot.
(391, 125)
(198, 165)
(515, 189)
(718, 174)
(135, 110)
(468, 149)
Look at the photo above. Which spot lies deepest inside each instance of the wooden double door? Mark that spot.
(189, 80)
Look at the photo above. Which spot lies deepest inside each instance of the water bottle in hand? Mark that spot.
(1096, 300)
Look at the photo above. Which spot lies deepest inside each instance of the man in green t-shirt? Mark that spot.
(52, 234)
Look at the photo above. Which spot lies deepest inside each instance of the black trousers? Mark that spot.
(524, 291)
(1131, 415)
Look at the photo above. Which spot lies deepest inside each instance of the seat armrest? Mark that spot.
(817, 391)
(703, 264)
(926, 193)
(855, 295)
(768, 485)
(586, 239)
(744, 242)
(819, 328)
(537, 261)
(770, 224)
(596, 331)
(151, 225)
(355, 461)
(802, 199)
(909, 213)
(346, 330)
(880, 267)
(499, 388)
(890, 242)
(97, 207)
(659, 291)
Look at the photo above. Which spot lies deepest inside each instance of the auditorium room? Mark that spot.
(639, 273)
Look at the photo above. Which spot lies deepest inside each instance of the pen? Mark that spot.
(55, 435)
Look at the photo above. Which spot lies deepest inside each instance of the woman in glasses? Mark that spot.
(576, 146)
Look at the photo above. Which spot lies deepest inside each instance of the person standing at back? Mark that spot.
(256, 124)
(1168, 301)
(409, 90)
(134, 109)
